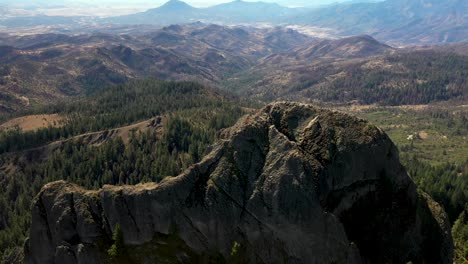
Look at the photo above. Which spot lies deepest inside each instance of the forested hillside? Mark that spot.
(415, 77)
(193, 116)
(433, 146)
(300, 131)
(267, 64)
(44, 68)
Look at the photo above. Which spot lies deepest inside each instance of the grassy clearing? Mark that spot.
(435, 134)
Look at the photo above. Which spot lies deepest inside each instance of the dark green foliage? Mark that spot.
(117, 250)
(235, 256)
(114, 107)
(15, 140)
(447, 184)
(194, 115)
(460, 238)
(169, 249)
(5, 70)
(426, 77)
(148, 156)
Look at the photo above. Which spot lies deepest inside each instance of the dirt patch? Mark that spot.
(249, 110)
(98, 138)
(396, 126)
(34, 122)
(423, 135)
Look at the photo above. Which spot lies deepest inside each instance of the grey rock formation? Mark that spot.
(290, 184)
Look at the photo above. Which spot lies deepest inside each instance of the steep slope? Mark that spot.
(172, 12)
(104, 141)
(290, 184)
(243, 12)
(458, 48)
(339, 49)
(43, 68)
(351, 47)
(398, 22)
(358, 70)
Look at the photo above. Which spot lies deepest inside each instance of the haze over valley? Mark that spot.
(234, 132)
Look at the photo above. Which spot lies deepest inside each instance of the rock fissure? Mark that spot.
(294, 183)
(203, 238)
(75, 239)
(132, 217)
(243, 208)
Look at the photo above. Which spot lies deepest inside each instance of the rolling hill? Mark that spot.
(357, 70)
(139, 102)
(267, 64)
(176, 11)
(43, 68)
(397, 22)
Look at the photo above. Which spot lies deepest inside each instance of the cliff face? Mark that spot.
(291, 184)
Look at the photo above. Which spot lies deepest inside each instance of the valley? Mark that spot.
(265, 64)
(61, 66)
(439, 140)
(398, 22)
(243, 132)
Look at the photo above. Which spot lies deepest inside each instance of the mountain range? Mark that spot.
(267, 64)
(358, 69)
(40, 68)
(398, 22)
(176, 11)
(234, 133)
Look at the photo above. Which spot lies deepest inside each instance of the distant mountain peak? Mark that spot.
(242, 2)
(176, 5)
(174, 2)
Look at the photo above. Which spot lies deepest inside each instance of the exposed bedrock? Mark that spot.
(290, 184)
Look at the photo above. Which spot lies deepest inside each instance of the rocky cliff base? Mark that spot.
(290, 184)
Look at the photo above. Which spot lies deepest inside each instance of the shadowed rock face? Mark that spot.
(290, 184)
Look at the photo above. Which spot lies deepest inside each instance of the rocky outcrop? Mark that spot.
(290, 184)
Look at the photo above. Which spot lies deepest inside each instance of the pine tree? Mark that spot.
(117, 250)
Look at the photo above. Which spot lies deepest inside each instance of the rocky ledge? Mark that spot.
(290, 184)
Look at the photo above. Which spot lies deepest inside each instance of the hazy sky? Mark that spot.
(155, 3)
(203, 3)
(118, 7)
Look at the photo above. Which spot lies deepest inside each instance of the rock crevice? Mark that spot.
(290, 184)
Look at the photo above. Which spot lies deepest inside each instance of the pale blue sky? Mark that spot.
(155, 3)
(120, 7)
(214, 2)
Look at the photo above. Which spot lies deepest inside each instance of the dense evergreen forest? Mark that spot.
(194, 116)
(121, 105)
(404, 78)
(412, 78)
(448, 185)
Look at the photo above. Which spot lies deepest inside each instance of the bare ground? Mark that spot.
(34, 122)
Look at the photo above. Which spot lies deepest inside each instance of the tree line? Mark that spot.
(194, 116)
